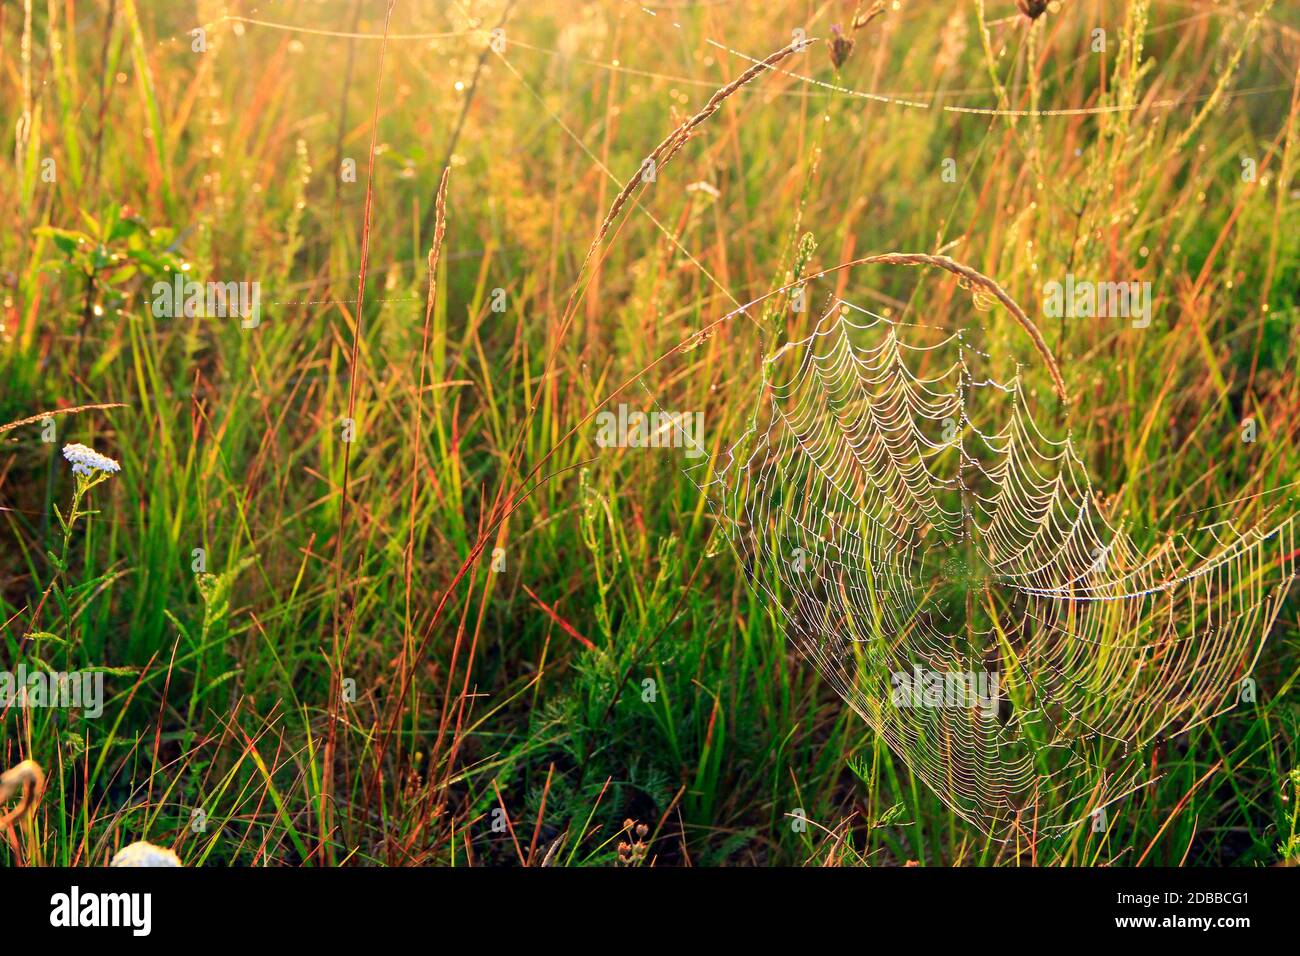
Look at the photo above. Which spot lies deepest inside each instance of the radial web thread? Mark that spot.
(920, 524)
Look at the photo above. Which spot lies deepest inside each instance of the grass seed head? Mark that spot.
(875, 10)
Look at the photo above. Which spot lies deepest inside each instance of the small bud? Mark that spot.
(841, 47)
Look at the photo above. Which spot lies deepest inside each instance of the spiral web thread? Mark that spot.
(893, 531)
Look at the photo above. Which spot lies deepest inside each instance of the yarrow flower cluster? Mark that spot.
(143, 853)
(87, 461)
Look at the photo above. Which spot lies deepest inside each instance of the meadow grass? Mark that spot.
(431, 644)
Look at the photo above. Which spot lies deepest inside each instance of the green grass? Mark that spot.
(229, 690)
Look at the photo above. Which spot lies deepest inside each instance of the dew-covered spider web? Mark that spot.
(948, 568)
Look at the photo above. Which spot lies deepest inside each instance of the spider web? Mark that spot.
(905, 514)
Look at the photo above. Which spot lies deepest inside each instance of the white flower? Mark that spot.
(86, 461)
(141, 853)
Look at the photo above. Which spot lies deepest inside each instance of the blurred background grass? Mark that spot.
(514, 724)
